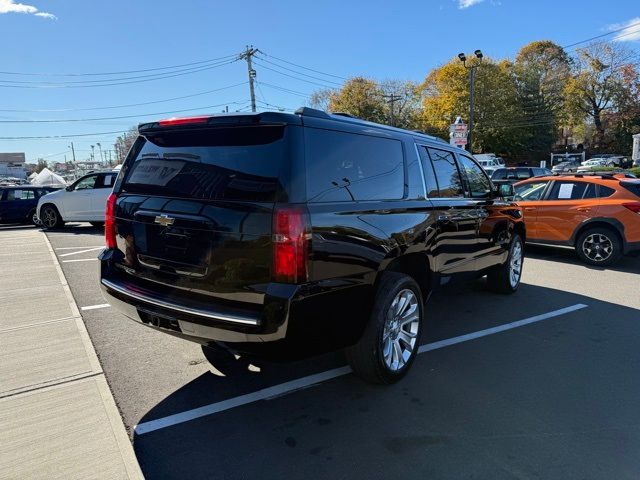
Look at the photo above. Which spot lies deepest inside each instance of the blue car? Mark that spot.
(18, 204)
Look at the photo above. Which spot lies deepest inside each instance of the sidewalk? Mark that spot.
(58, 418)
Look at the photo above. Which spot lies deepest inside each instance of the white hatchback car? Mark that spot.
(82, 201)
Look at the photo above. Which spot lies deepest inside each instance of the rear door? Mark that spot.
(457, 216)
(194, 209)
(567, 204)
(101, 190)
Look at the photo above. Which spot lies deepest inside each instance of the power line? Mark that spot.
(62, 85)
(306, 68)
(51, 137)
(66, 120)
(125, 106)
(299, 73)
(294, 77)
(287, 90)
(120, 72)
(603, 35)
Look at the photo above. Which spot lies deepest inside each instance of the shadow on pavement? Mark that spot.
(556, 399)
(77, 229)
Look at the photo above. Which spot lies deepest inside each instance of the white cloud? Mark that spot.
(50, 16)
(629, 30)
(10, 6)
(468, 3)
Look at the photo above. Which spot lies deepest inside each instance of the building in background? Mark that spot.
(12, 165)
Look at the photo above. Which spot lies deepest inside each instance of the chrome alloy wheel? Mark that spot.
(515, 264)
(597, 247)
(400, 330)
(49, 217)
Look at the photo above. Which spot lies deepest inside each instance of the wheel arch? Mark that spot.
(602, 222)
(415, 265)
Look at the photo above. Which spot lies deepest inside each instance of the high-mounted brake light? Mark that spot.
(183, 121)
(110, 222)
(291, 235)
(633, 206)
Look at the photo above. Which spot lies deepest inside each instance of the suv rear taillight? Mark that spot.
(633, 206)
(110, 222)
(291, 236)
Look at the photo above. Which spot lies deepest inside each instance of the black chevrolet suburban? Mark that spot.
(288, 235)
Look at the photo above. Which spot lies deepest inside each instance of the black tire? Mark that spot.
(50, 217)
(599, 246)
(500, 280)
(367, 357)
(97, 224)
(31, 218)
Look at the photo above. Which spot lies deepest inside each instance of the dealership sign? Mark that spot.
(458, 133)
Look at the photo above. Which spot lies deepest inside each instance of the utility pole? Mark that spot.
(248, 55)
(74, 153)
(391, 100)
(472, 80)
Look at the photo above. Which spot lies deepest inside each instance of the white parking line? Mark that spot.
(93, 249)
(80, 260)
(75, 248)
(310, 380)
(94, 307)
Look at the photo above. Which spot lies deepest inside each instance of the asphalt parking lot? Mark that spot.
(549, 388)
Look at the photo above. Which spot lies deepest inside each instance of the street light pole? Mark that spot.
(472, 80)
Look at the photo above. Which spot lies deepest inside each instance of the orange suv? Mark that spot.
(598, 215)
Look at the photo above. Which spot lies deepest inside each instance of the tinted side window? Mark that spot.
(567, 191)
(447, 174)
(523, 173)
(478, 183)
(345, 166)
(607, 192)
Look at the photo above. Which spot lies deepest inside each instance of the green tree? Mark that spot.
(541, 71)
(446, 95)
(597, 88)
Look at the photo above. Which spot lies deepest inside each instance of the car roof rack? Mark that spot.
(613, 175)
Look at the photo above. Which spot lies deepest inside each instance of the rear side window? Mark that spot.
(569, 191)
(523, 173)
(345, 167)
(20, 195)
(106, 180)
(239, 163)
(447, 174)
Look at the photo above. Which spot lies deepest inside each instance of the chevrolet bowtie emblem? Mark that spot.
(164, 220)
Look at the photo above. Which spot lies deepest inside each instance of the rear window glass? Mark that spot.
(240, 163)
(633, 187)
(346, 166)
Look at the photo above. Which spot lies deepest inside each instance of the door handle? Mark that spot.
(584, 209)
(529, 209)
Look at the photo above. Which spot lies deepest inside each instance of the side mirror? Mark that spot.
(505, 190)
(69, 188)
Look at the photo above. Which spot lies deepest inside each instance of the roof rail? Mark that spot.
(343, 114)
(311, 112)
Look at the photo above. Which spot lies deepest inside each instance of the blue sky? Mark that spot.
(379, 39)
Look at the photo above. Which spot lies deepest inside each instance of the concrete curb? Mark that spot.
(117, 426)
